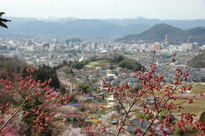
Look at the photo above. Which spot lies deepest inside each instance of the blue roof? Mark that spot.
(74, 104)
(88, 98)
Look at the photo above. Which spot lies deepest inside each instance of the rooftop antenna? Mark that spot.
(188, 39)
(165, 40)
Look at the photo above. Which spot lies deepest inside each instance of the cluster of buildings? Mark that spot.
(53, 52)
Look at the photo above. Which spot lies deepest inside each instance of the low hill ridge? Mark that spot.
(175, 35)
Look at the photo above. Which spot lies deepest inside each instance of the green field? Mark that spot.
(197, 107)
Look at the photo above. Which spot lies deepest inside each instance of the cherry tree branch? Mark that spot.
(8, 129)
(127, 114)
(151, 123)
(122, 105)
(181, 79)
(12, 115)
(186, 99)
(169, 97)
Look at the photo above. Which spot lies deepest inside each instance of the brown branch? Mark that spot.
(12, 115)
(127, 115)
(145, 120)
(169, 97)
(155, 101)
(19, 92)
(153, 58)
(121, 105)
(186, 99)
(151, 123)
(8, 129)
(110, 133)
(181, 79)
(166, 66)
(134, 101)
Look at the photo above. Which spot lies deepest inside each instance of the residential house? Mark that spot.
(75, 118)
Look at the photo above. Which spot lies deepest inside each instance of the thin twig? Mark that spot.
(19, 92)
(155, 101)
(186, 99)
(110, 133)
(181, 79)
(121, 105)
(151, 123)
(127, 115)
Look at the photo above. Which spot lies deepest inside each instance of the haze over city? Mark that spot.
(160, 9)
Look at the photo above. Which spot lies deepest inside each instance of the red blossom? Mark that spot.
(190, 101)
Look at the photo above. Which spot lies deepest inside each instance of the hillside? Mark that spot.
(199, 62)
(183, 24)
(11, 68)
(175, 35)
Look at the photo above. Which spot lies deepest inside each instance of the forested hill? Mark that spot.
(175, 35)
(11, 67)
(199, 62)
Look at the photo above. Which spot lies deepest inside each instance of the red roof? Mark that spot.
(98, 96)
(74, 116)
(155, 121)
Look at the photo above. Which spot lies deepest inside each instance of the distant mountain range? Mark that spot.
(89, 27)
(175, 35)
(73, 27)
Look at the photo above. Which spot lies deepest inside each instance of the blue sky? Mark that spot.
(161, 9)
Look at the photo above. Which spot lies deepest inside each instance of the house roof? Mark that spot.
(85, 98)
(99, 96)
(74, 104)
(74, 116)
(155, 121)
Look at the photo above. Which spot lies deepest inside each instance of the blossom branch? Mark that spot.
(12, 115)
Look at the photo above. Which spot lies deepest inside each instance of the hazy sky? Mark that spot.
(161, 9)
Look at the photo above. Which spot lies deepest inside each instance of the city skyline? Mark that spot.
(105, 9)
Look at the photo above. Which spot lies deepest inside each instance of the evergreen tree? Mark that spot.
(3, 21)
(45, 73)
